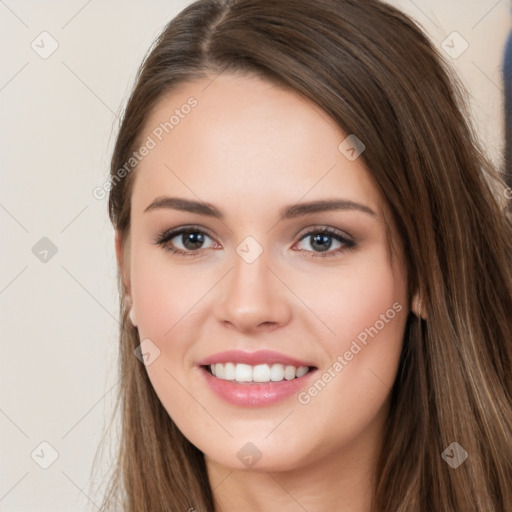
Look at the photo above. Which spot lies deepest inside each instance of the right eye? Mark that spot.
(191, 240)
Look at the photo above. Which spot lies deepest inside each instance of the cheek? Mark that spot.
(169, 301)
(165, 294)
(355, 299)
(368, 319)
(365, 309)
(166, 298)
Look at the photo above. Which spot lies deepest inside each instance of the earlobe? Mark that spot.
(132, 317)
(417, 307)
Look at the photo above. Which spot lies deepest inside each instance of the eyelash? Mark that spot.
(163, 238)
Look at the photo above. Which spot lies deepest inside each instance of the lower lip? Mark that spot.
(251, 394)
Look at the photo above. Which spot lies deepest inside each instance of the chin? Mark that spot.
(259, 456)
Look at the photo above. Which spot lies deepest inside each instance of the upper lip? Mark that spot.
(253, 358)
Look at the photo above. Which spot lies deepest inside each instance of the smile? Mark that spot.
(255, 379)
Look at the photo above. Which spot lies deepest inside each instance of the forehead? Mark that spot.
(246, 139)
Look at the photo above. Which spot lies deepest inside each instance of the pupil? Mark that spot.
(192, 240)
(322, 239)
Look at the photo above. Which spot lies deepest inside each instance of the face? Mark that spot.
(258, 246)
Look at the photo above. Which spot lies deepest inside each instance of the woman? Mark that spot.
(315, 273)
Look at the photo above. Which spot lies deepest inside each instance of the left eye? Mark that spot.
(322, 240)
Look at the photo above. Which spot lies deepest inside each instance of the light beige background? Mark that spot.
(58, 122)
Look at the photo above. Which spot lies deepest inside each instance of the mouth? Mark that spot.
(255, 379)
(240, 373)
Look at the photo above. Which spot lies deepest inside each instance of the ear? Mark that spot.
(417, 306)
(123, 262)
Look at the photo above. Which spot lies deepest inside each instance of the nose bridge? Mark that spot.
(252, 295)
(251, 270)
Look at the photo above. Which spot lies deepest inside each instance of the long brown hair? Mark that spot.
(371, 69)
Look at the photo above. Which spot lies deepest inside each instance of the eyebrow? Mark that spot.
(288, 212)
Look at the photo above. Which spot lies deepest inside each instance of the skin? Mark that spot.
(251, 148)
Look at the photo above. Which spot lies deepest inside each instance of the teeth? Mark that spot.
(301, 371)
(259, 373)
(229, 371)
(276, 372)
(243, 373)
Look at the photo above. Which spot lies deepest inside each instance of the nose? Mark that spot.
(253, 298)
